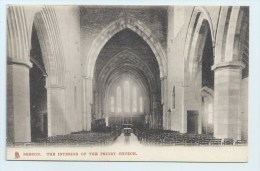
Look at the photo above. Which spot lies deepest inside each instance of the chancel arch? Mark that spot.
(145, 35)
(115, 27)
(135, 59)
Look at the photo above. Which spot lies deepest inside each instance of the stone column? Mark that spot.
(102, 104)
(155, 115)
(87, 86)
(204, 114)
(227, 93)
(18, 101)
(244, 109)
(99, 103)
(56, 111)
(164, 100)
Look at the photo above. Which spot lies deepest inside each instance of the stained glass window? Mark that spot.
(126, 97)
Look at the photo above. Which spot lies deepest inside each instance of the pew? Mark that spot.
(204, 142)
(241, 142)
(216, 141)
(228, 141)
(85, 138)
(159, 137)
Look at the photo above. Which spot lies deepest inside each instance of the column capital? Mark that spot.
(229, 64)
(15, 61)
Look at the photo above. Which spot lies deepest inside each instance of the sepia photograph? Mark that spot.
(127, 83)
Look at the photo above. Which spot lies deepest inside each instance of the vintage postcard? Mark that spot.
(127, 83)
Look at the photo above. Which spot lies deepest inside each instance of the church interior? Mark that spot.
(165, 75)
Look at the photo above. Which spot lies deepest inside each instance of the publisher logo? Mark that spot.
(16, 155)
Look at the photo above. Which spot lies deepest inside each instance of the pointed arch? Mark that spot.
(46, 25)
(127, 57)
(198, 14)
(115, 27)
(200, 24)
(144, 84)
(229, 35)
(18, 39)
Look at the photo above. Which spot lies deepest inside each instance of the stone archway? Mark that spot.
(199, 39)
(228, 68)
(20, 25)
(198, 19)
(199, 14)
(127, 63)
(115, 27)
(47, 28)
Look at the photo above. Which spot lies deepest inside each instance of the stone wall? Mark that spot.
(177, 28)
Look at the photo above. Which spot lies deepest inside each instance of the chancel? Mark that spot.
(154, 75)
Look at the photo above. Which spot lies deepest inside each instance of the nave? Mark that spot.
(178, 83)
(134, 137)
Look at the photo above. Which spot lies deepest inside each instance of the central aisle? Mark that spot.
(123, 140)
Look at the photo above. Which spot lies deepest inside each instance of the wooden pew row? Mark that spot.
(83, 138)
(167, 137)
